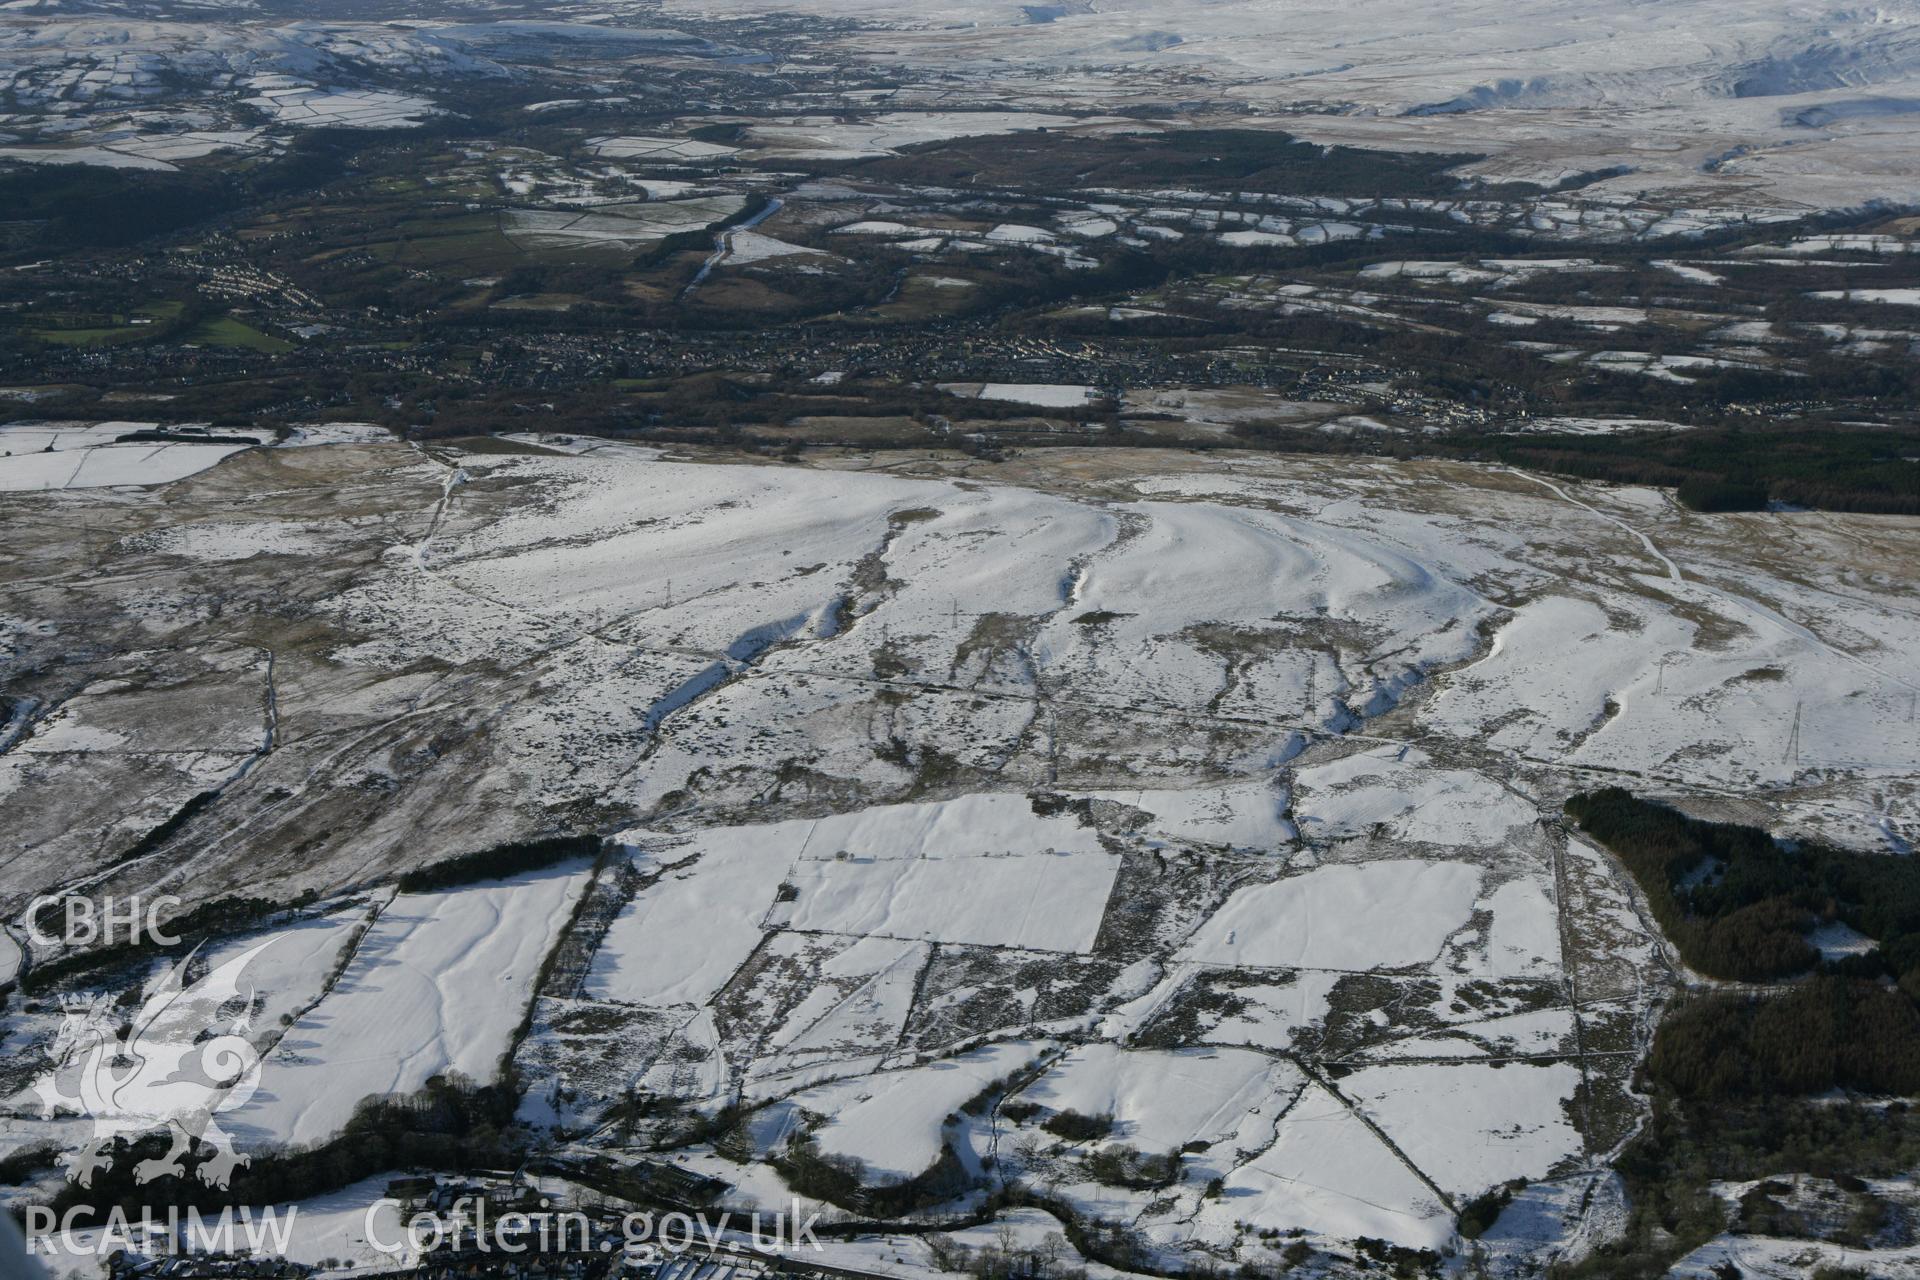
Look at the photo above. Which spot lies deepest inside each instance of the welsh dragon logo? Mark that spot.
(171, 1067)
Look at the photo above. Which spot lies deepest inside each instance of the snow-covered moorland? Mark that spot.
(1178, 842)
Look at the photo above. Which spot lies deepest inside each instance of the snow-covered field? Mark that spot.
(893, 1121)
(313, 107)
(437, 985)
(616, 224)
(1046, 396)
(108, 465)
(1044, 901)
(37, 455)
(827, 138)
(1390, 914)
(1895, 297)
(1325, 1169)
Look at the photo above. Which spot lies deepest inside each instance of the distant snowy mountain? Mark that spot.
(1689, 101)
(1400, 55)
(82, 60)
(87, 59)
(1820, 100)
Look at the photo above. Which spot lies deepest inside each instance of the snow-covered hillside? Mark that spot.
(1179, 839)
